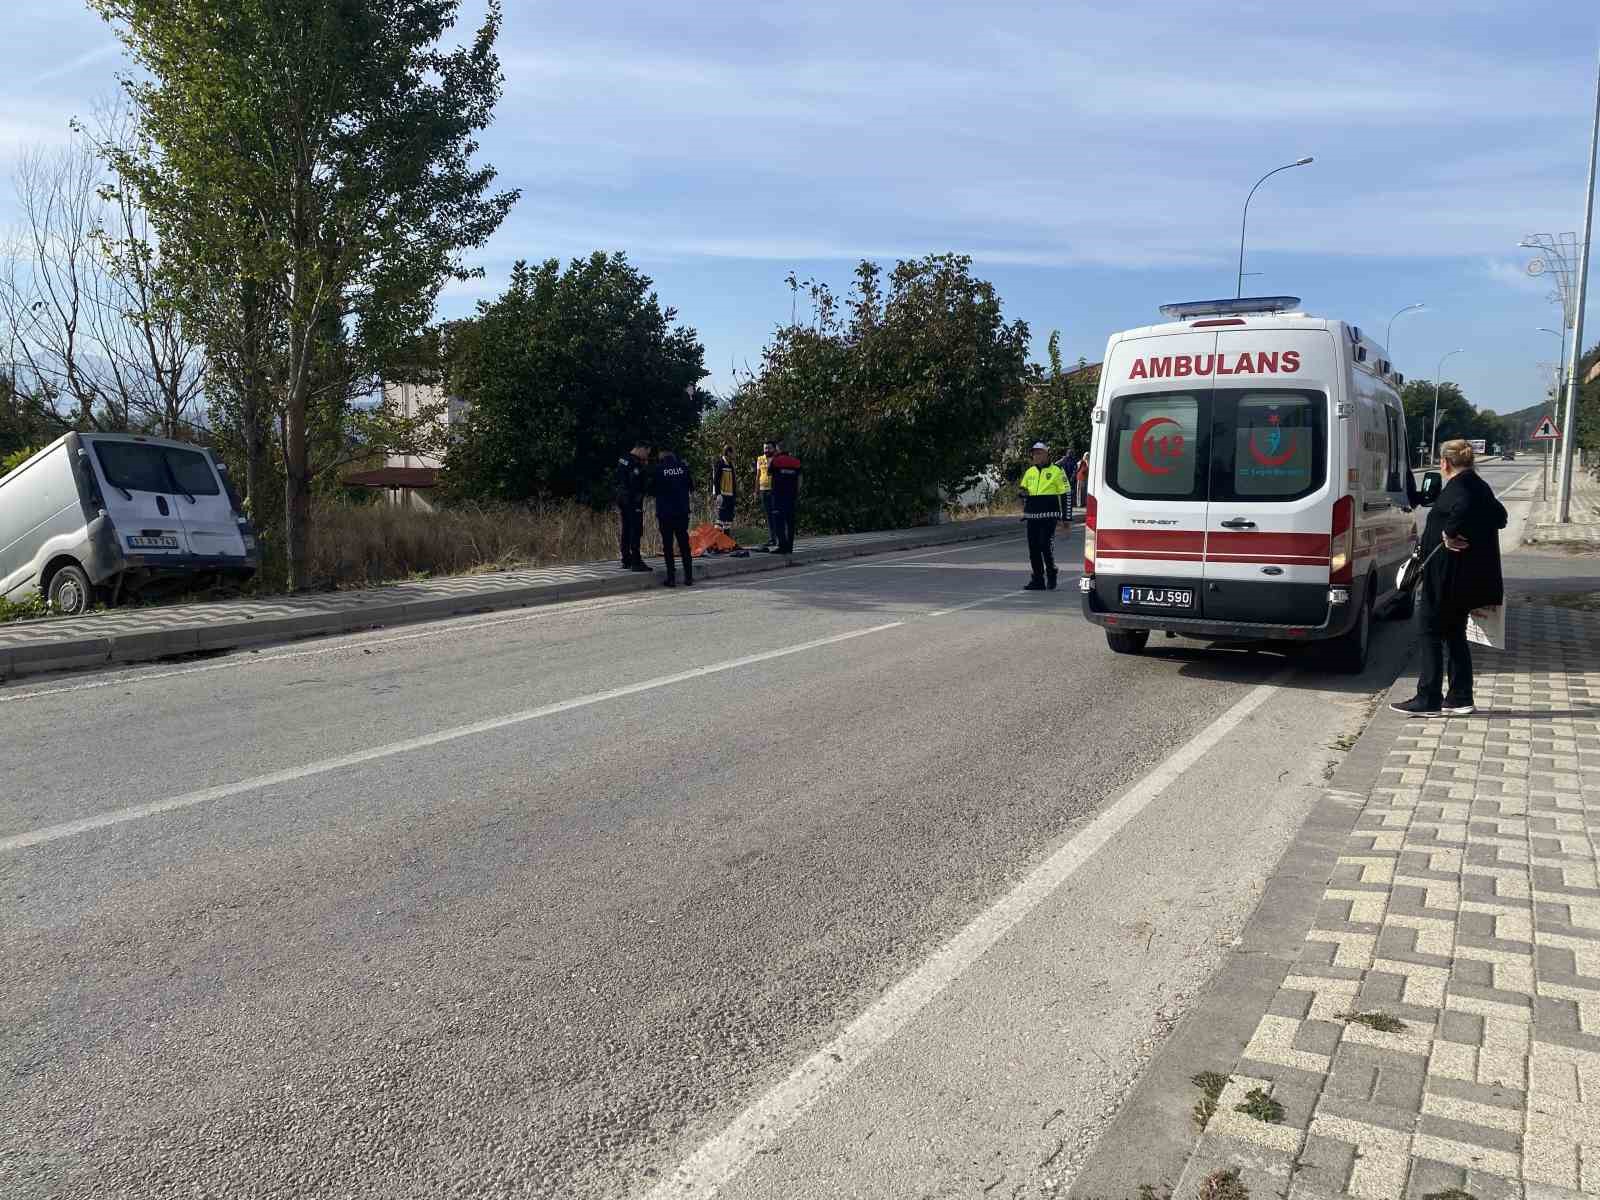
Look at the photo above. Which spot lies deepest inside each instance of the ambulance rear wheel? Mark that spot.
(1127, 641)
(1351, 650)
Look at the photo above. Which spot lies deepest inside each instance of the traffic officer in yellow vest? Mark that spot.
(1044, 487)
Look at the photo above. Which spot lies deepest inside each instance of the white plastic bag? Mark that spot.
(1487, 627)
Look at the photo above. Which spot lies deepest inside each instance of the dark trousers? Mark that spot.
(630, 533)
(783, 526)
(676, 528)
(1442, 633)
(1041, 545)
(772, 525)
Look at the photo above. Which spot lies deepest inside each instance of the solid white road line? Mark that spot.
(51, 833)
(720, 1160)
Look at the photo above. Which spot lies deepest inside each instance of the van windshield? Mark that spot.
(139, 467)
(1233, 444)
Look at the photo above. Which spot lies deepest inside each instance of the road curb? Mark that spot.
(79, 652)
(1153, 1138)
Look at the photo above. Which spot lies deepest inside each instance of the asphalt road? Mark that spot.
(532, 905)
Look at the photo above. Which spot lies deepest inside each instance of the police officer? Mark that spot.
(628, 482)
(671, 486)
(1044, 487)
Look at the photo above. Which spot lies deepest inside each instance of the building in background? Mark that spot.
(409, 480)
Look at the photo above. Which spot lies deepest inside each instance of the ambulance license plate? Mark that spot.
(1158, 597)
(139, 542)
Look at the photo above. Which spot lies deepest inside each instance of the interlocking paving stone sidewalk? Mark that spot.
(135, 634)
(1466, 903)
(1584, 509)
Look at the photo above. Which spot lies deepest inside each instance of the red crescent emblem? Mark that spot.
(1264, 460)
(1140, 436)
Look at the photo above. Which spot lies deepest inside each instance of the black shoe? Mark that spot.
(1033, 585)
(1050, 582)
(1416, 707)
(1458, 708)
(669, 581)
(688, 581)
(640, 566)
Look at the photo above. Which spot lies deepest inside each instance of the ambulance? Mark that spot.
(1248, 481)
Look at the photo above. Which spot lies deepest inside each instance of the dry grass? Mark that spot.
(362, 545)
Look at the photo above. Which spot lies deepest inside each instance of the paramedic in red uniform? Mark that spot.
(785, 469)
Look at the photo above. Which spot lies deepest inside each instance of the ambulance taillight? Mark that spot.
(1090, 520)
(1342, 550)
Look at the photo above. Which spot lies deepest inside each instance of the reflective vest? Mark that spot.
(764, 474)
(1042, 489)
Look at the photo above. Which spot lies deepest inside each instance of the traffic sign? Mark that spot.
(1546, 432)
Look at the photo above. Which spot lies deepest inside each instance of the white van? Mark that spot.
(1247, 480)
(97, 516)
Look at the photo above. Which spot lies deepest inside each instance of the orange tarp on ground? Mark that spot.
(709, 537)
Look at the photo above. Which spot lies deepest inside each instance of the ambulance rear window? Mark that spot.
(1268, 445)
(1157, 446)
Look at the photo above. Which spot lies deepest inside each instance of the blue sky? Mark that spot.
(1091, 157)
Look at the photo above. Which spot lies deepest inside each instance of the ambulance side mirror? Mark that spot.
(1432, 485)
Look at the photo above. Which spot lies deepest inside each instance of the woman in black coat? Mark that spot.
(1463, 576)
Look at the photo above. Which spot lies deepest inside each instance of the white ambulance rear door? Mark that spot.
(1152, 478)
(1275, 456)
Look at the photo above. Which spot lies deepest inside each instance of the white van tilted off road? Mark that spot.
(97, 516)
(1247, 480)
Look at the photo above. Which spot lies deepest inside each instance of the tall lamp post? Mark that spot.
(1437, 376)
(1555, 407)
(1388, 343)
(1570, 438)
(1245, 216)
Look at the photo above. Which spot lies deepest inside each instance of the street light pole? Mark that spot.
(1570, 437)
(1245, 216)
(1437, 375)
(1388, 343)
(1555, 405)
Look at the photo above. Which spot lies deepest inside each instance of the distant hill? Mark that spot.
(1521, 423)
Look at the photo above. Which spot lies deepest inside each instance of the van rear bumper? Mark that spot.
(1338, 620)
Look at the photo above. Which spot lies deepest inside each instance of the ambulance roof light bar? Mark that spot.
(1244, 304)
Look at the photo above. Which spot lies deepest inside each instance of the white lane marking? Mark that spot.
(344, 642)
(705, 1172)
(51, 833)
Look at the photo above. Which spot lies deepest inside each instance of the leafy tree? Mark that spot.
(316, 158)
(892, 396)
(563, 373)
(1456, 416)
(1057, 410)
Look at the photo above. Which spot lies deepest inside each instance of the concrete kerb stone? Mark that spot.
(214, 627)
(64, 655)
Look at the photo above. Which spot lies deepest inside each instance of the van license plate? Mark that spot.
(152, 543)
(1157, 597)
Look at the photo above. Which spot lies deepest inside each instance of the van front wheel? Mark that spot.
(1127, 641)
(69, 592)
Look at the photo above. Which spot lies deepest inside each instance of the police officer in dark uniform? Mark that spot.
(629, 480)
(671, 486)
